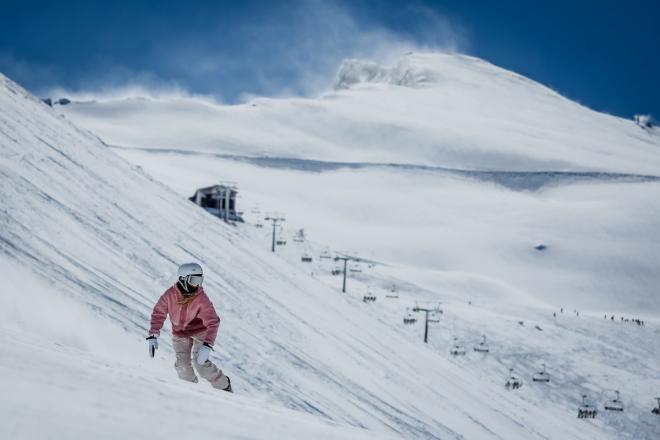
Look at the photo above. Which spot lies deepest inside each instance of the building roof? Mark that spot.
(212, 188)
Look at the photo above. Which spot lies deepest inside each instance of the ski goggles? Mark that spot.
(195, 280)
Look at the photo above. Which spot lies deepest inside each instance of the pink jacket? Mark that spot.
(187, 319)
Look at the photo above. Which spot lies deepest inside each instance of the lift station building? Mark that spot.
(219, 200)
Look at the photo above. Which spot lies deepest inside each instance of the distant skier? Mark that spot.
(195, 325)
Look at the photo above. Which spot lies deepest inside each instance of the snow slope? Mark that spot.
(82, 227)
(429, 109)
(601, 236)
(443, 162)
(95, 240)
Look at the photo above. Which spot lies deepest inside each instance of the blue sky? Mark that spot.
(603, 54)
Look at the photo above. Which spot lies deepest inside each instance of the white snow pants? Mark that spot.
(187, 346)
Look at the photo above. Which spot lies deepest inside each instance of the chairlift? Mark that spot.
(257, 214)
(337, 271)
(541, 376)
(586, 410)
(482, 347)
(615, 404)
(513, 383)
(409, 318)
(355, 268)
(306, 258)
(300, 236)
(656, 410)
(369, 297)
(457, 349)
(280, 242)
(325, 255)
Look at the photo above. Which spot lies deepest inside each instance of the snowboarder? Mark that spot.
(195, 325)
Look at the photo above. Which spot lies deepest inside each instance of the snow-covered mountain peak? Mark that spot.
(407, 72)
(436, 109)
(428, 69)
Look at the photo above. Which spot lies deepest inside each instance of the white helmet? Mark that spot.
(190, 277)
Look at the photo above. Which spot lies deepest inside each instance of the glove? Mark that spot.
(153, 345)
(203, 353)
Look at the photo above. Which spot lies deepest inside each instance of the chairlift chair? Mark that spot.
(257, 213)
(513, 383)
(457, 349)
(280, 242)
(369, 297)
(300, 236)
(337, 271)
(306, 258)
(615, 404)
(483, 346)
(541, 376)
(656, 410)
(325, 255)
(409, 318)
(586, 410)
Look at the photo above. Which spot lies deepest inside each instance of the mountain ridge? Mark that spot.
(470, 114)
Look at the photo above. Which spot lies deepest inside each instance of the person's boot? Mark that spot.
(228, 388)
